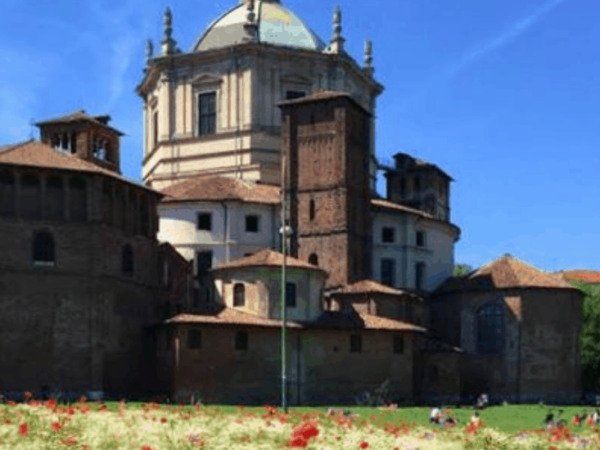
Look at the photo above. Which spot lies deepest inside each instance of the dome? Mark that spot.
(276, 25)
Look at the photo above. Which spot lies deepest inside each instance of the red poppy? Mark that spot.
(146, 447)
(163, 420)
(51, 404)
(56, 426)
(306, 430)
(364, 444)
(23, 429)
(70, 411)
(297, 441)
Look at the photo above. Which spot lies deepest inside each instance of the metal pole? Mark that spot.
(283, 299)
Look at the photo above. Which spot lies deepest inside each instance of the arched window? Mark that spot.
(239, 294)
(43, 249)
(127, 260)
(311, 209)
(313, 259)
(30, 196)
(55, 199)
(7, 194)
(78, 199)
(490, 329)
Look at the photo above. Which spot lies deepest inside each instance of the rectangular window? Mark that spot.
(388, 271)
(290, 295)
(355, 343)
(387, 235)
(205, 221)
(241, 340)
(252, 224)
(419, 275)
(203, 262)
(420, 239)
(207, 113)
(194, 338)
(292, 95)
(155, 129)
(398, 344)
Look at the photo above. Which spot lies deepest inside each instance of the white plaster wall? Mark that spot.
(438, 253)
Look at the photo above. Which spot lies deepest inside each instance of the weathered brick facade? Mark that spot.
(325, 139)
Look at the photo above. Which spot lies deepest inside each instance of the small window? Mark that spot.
(155, 130)
(292, 95)
(311, 210)
(290, 295)
(419, 275)
(420, 239)
(205, 221)
(43, 249)
(417, 184)
(387, 235)
(127, 260)
(355, 343)
(7, 194)
(241, 340)
(388, 271)
(313, 259)
(194, 338)
(252, 224)
(207, 113)
(239, 294)
(402, 188)
(398, 344)
(203, 262)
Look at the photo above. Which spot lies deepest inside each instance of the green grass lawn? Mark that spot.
(508, 419)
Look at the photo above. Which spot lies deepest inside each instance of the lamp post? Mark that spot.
(285, 233)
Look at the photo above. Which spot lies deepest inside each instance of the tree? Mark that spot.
(590, 335)
(460, 270)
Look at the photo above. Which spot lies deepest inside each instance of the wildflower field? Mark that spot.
(86, 426)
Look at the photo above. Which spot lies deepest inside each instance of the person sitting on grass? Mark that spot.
(435, 415)
(475, 420)
(576, 420)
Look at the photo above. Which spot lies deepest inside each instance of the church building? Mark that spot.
(259, 152)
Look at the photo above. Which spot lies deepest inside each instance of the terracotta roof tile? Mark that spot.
(368, 286)
(230, 316)
(80, 116)
(268, 258)
(38, 154)
(345, 320)
(583, 276)
(385, 204)
(504, 273)
(221, 188)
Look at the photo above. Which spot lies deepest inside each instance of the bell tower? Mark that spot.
(326, 143)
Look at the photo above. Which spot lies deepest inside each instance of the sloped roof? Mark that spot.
(220, 189)
(321, 95)
(230, 316)
(276, 24)
(354, 320)
(583, 276)
(80, 116)
(504, 273)
(37, 154)
(386, 204)
(267, 258)
(369, 286)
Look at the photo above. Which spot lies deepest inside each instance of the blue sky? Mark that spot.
(501, 94)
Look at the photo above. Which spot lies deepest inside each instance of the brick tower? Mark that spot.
(326, 141)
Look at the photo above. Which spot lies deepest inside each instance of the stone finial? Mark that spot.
(168, 44)
(337, 41)
(369, 58)
(250, 26)
(149, 50)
